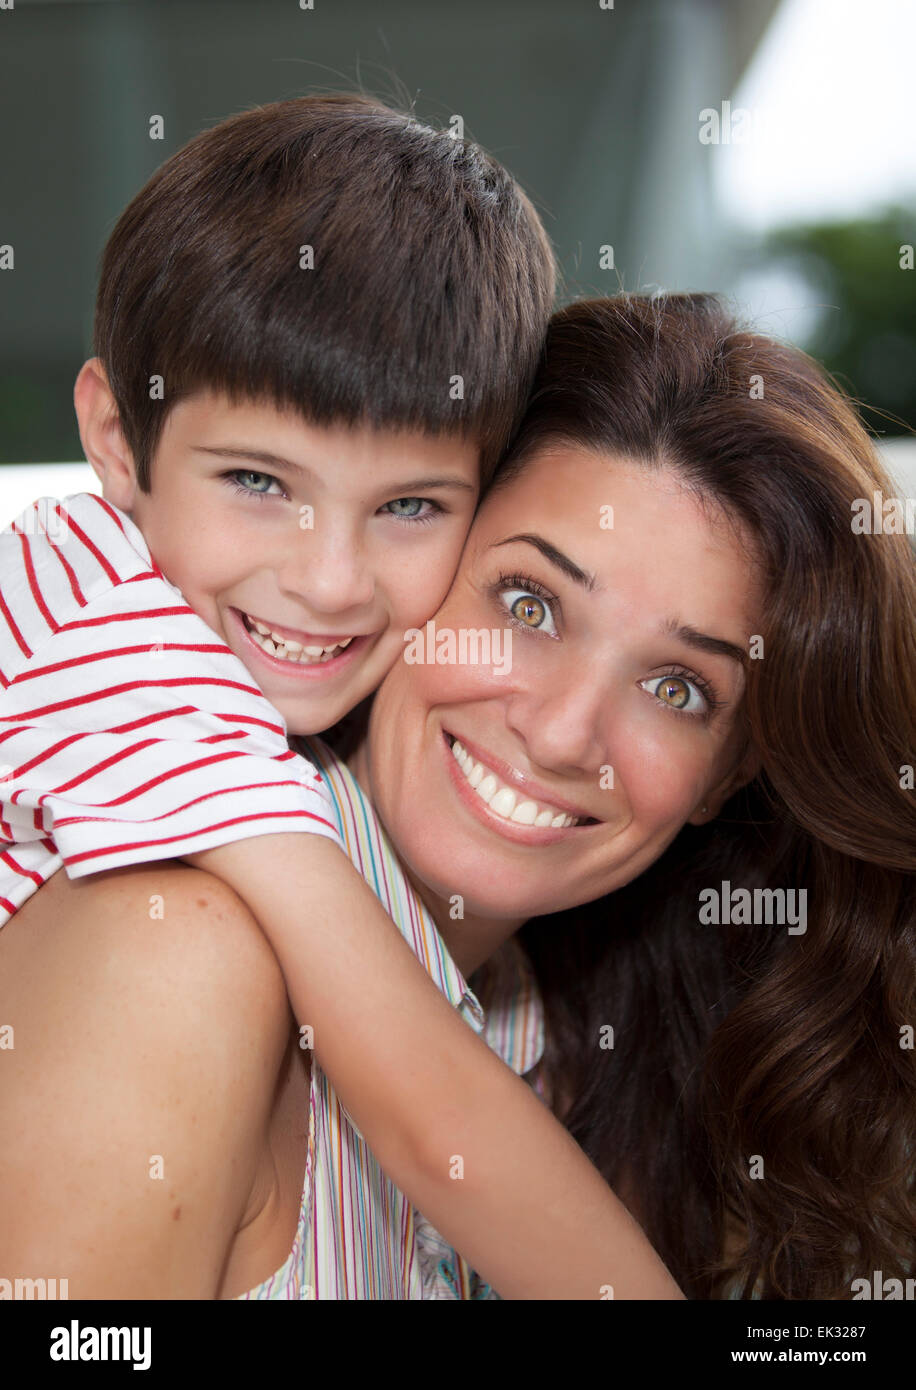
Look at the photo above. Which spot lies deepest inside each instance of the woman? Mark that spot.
(682, 550)
(756, 1106)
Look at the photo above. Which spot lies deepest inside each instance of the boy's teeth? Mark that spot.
(287, 649)
(504, 801)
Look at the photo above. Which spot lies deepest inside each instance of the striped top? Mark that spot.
(358, 1236)
(128, 730)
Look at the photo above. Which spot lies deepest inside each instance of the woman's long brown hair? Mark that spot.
(759, 1101)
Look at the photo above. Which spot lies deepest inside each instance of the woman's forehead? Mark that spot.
(625, 521)
(596, 494)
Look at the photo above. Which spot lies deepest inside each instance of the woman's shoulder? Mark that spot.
(154, 933)
(161, 951)
(153, 1012)
(178, 914)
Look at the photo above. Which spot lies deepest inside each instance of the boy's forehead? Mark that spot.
(211, 421)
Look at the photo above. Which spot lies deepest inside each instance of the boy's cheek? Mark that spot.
(423, 586)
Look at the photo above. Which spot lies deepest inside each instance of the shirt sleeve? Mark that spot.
(136, 734)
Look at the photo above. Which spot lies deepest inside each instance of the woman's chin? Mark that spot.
(488, 889)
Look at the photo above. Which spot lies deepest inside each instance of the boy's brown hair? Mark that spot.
(429, 264)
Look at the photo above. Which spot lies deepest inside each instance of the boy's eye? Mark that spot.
(411, 508)
(242, 486)
(677, 693)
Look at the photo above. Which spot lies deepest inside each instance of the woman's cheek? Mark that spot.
(660, 778)
(445, 668)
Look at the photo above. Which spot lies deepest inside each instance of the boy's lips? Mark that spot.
(314, 669)
(292, 634)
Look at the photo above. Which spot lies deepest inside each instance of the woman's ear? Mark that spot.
(102, 438)
(744, 771)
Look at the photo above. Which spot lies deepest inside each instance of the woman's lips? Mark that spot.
(509, 829)
(526, 787)
(297, 670)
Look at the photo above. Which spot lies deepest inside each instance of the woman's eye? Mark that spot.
(411, 508)
(529, 610)
(677, 693)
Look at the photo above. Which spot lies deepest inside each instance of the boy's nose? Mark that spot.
(328, 575)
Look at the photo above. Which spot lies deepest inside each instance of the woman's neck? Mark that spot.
(470, 939)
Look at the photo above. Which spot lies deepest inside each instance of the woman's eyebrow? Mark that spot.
(703, 642)
(555, 556)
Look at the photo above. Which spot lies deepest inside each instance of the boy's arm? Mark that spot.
(463, 1137)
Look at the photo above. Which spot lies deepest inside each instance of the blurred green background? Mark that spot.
(866, 332)
(595, 110)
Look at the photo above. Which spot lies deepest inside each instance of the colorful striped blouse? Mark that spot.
(358, 1236)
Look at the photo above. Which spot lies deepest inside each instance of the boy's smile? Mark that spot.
(308, 549)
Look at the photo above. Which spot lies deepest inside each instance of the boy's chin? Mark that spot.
(303, 728)
(318, 721)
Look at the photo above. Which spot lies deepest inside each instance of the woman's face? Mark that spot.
(620, 706)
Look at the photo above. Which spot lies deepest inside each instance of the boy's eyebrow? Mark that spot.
(690, 636)
(286, 465)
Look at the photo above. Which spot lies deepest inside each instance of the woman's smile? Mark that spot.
(507, 799)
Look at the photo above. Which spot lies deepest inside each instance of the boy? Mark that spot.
(326, 297)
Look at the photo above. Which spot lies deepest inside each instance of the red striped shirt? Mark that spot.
(129, 731)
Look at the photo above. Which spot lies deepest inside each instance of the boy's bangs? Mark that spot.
(391, 367)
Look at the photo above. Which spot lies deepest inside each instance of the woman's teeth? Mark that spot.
(503, 800)
(275, 645)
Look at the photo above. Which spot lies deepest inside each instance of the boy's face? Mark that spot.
(336, 538)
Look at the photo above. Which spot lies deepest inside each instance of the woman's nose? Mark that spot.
(563, 722)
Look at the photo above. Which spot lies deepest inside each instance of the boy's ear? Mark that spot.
(715, 798)
(100, 432)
